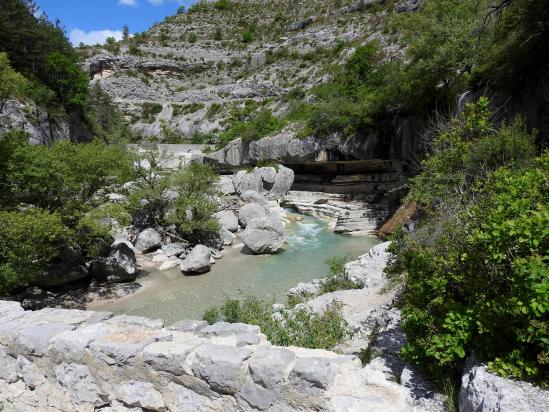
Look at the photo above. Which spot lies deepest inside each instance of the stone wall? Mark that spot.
(71, 360)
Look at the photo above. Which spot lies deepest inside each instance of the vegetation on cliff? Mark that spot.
(475, 270)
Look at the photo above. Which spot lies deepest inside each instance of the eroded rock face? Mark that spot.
(267, 181)
(482, 391)
(264, 235)
(198, 260)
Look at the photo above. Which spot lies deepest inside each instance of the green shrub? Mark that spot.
(336, 279)
(193, 209)
(223, 5)
(28, 241)
(258, 125)
(12, 84)
(214, 109)
(149, 111)
(475, 270)
(193, 107)
(192, 37)
(301, 328)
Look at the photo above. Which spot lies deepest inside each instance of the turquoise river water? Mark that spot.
(171, 296)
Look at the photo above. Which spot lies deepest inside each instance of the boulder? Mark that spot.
(175, 249)
(249, 212)
(198, 260)
(227, 237)
(228, 220)
(119, 266)
(484, 391)
(147, 241)
(312, 375)
(226, 186)
(264, 235)
(273, 183)
(171, 263)
(251, 196)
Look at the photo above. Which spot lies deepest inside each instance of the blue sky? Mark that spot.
(92, 21)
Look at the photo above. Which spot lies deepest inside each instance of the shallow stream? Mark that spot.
(171, 296)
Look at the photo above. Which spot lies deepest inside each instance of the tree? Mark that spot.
(68, 80)
(12, 84)
(125, 32)
(29, 240)
(181, 10)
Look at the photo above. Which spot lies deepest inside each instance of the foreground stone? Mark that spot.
(264, 235)
(198, 260)
(86, 361)
(273, 183)
(249, 212)
(482, 391)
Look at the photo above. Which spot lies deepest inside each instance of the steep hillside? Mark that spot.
(196, 74)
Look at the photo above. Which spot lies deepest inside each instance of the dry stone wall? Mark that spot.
(72, 360)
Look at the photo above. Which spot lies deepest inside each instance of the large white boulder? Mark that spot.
(273, 183)
(119, 266)
(264, 235)
(198, 260)
(249, 212)
(228, 220)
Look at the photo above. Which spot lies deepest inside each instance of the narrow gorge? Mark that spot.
(268, 205)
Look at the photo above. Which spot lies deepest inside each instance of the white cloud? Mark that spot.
(127, 2)
(92, 37)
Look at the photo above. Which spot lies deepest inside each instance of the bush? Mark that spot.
(28, 241)
(258, 125)
(223, 5)
(301, 328)
(65, 175)
(336, 279)
(149, 111)
(12, 84)
(475, 270)
(193, 210)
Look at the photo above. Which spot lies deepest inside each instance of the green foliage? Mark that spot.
(193, 107)
(105, 117)
(135, 50)
(302, 328)
(96, 227)
(67, 79)
(12, 84)
(112, 45)
(476, 269)
(254, 127)
(336, 279)
(248, 34)
(193, 209)
(192, 37)
(149, 111)
(65, 175)
(223, 5)
(28, 241)
(214, 109)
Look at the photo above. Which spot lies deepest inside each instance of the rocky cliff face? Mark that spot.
(194, 70)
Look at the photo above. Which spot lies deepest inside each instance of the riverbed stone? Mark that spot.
(228, 220)
(170, 263)
(227, 237)
(312, 375)
(221, 366)
(147, 241)
(175, 249)
(264, 235)
(198, 260)
(119, 266)
(249, 212)
(78, 382)
(140, 394)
